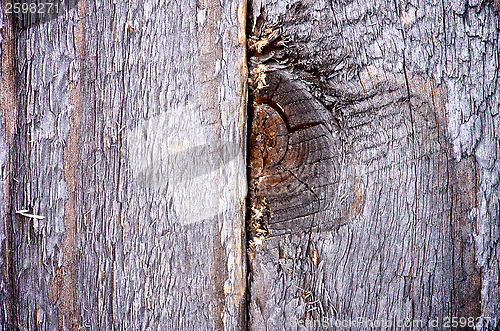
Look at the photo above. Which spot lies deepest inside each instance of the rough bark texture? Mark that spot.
(413, 86)
(125, 127)
(374, 167)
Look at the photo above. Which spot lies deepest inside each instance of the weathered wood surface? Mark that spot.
(415, 210)
(125, 128)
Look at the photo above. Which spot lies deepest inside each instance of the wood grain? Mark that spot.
(293, 158)
(130, 142)
(416, 187)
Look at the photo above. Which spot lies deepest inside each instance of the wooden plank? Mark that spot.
(410, 231)
(7, 126)
(130, 142)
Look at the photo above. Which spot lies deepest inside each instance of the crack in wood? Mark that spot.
(283, 115)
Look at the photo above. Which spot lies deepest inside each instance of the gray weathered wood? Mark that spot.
(414, 88)
(125, 127)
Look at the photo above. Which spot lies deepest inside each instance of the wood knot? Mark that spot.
(293, 159)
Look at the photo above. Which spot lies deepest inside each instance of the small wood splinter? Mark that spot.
(25, 213)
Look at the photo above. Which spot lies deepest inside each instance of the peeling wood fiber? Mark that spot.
(130, 141)
(7, 124)
(412, 86)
